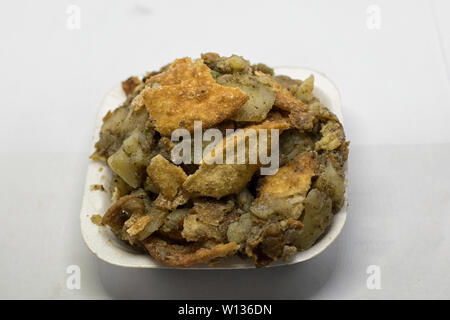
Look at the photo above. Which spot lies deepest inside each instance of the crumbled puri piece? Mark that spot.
(194, 213)
(187, 92)
(176, 255)
(284, 192)
(166, 176)
(218, 180)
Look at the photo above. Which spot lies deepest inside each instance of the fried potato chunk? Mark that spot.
(261, 96)
(284, 99)
(332, 183)
(176, 255)
(204, 221)
(166, 176)
(317, 217)
(218, 180)
(283, 193)
(173, 224)
(299, 113)
(272, 240)
(292, 143)
(187, 92)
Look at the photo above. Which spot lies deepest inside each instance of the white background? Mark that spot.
(395, 86)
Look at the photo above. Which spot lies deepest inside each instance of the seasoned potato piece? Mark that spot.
(217, 180)
(244, 200)
(119, 187)
(321, 112)
(117, 126)
(187, 92)
(231, 64)
(316, 218)
(293, 143)
(299, 114)
(283, 193)
(173, 224)
(333, 184)
(302, 120)
(196, 230)
(261, 96)
(239, 230)
(204, 221)
(175, 255)
(166, 176)
(287, 82)
(284, 99)
(332, 136)
(304, 91)
(130, 160)
(263, 68)
(269, 242)
(212, 211)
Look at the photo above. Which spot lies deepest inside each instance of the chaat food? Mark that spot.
(263, 182)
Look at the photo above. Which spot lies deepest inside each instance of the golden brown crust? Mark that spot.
(176, 255)
(181, 198)
(187, 92)
(284, 99)
(166, 176)
(294, 178)
(217, 180)
(283, 193)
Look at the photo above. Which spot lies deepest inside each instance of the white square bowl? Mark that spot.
(104, 244)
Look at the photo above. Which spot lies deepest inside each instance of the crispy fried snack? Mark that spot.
(166, 176)
(187, 92)
(205, 219)
(284, 99)
(283, 193)
(223, 203)
(176, 255)
(218, 180)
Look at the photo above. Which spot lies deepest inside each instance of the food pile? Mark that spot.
(189, 213)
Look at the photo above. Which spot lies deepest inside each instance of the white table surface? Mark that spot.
(395, 86)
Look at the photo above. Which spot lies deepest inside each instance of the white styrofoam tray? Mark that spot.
(103, 243)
